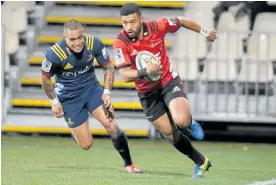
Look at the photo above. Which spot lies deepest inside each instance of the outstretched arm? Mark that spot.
(191, 25)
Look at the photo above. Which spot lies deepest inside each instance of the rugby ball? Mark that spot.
(142, 58)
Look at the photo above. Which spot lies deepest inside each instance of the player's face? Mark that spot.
(132, 24)
(75, 40)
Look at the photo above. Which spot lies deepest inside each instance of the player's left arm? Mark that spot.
(103, 59)
(210, 34)
(171, 25)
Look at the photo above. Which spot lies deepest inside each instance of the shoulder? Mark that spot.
(93, 42)
(161, 22)
(56, 53)
(164, 22)
(166, 25)
(89, 41)
(121, 40)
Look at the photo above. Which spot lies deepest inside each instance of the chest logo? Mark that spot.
(68, 66)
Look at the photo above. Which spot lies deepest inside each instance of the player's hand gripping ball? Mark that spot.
(142, 58)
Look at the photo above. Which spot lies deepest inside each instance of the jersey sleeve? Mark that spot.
(50, 63)
(168, 25)
(121, 54)
(100, 52)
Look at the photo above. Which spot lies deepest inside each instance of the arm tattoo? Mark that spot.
(108, 76)
(48, 87)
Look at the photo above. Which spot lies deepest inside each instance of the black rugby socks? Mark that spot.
(184, 146)
(121, 145)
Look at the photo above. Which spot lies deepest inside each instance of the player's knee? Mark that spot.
(86, 145)
(183, 120)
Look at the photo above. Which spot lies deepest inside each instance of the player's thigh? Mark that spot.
(153, 105)
(166, 126)
(97, 109)
(94, 98)
(163, 124)
(76, 117)
(176, 99)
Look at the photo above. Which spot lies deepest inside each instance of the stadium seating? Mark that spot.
(28, 5)
(257, 66)
(11, 15)
(12, 41)
(191, 47)
(152, 4)
(188, 51)
(15, 21)
(220, 65)
(242, 24)
(201, 12)
(229, 43)
(20, 14)
(263, 22)
(102, 20)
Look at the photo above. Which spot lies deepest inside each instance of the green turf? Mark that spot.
(58, 161)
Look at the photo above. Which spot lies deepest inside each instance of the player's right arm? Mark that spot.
(48, 69)
(123, 64)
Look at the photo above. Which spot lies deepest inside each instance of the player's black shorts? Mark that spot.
(156, 103)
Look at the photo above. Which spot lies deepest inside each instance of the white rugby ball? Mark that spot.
(142, 58)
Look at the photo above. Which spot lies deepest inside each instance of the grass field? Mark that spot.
(58, 161)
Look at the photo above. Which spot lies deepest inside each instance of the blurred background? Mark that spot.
(230, 83)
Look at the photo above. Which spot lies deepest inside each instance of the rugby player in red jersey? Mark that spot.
(164, 101)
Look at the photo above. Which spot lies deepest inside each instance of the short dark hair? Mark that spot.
(130, 8)
(71, 25)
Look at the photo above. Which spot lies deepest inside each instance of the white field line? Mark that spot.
(268, 182)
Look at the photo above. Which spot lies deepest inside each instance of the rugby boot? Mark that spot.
(201, 169)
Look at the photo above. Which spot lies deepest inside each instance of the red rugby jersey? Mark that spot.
(126, 50)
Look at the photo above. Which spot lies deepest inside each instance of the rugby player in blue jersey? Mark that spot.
(78, 90)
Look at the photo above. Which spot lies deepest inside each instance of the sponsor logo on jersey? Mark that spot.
(76, 73)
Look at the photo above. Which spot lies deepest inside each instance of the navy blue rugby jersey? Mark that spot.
(74, 72)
